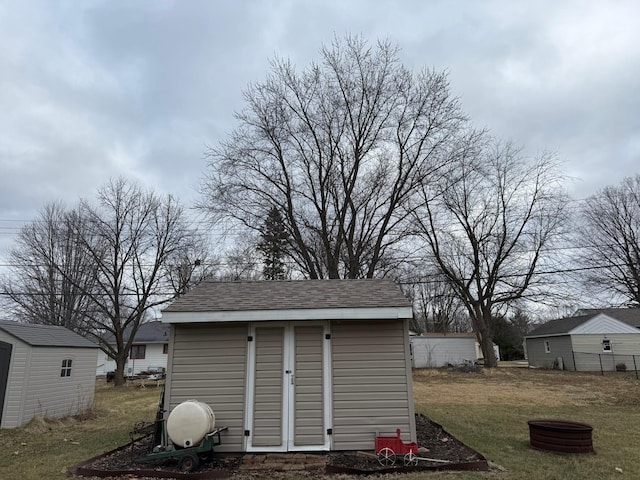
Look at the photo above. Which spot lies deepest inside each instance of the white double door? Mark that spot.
(288, 387)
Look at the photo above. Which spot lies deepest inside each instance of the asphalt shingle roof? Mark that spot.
(630, 316)
(559, 326)
(45, 335)
(213, 296)
(150, 332)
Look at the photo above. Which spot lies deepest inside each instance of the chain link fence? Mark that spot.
(606, 362)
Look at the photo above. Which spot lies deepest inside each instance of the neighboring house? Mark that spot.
(434, 350)
(45, 371)
(302, 365)
(148, 351)
(593, 341)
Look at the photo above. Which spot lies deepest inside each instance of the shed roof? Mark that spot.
(300, 300)
(290, 294)
(45, 335)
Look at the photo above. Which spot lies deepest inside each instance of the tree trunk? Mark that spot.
(121, 361)
(486, 344)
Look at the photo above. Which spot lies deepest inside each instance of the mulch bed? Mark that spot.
(433, 440)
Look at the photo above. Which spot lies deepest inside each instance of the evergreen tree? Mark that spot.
(273, 246)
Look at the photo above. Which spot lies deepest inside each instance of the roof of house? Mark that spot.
(45, 335)
(559, 326)
(630, 316)
(150, 332)
(215, 296)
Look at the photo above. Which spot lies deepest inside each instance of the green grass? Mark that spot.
(487, 411)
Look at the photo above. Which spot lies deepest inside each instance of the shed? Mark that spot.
(433, 350)
(148, 351)
(307, 365)
(45, 370)
(595, 341)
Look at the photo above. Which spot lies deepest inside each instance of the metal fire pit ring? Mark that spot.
(561, 436)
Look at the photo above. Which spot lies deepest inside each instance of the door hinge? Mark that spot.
(247, 433)
(327, 336)
(249, 338)
(329, 431)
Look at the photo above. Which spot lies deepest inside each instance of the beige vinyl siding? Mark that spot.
(371, 389)
(560, 346)
(267, 404)
(309, 404)
(208, 363)
(590, 357)
(16, 383)
(49, 394)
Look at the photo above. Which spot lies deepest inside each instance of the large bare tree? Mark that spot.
(136, 237)
(105, 267)
(339, 149)
(50, 271)
(611, 240)
(491, 228)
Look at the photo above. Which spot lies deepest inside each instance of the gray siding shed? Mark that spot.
(295, 365)
(35, 384)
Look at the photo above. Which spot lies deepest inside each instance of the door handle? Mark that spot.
(292, 379)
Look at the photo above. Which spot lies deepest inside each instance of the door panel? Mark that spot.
(288, 387)
(267, 403)
(308, 414)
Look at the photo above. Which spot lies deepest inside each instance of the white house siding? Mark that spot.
(154, 358)
(560, 346)
(434, 352)
(208, 363)
(590, 357)
(371, 377)
(16, 383)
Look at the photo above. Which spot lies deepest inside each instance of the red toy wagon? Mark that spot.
(388, 448)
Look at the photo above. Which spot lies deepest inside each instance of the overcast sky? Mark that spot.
(93, 89)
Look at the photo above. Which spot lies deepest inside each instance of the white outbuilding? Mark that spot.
(46, 371)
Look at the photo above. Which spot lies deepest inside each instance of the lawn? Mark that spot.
(488, 411)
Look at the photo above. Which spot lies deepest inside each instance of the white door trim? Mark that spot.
(288, 393)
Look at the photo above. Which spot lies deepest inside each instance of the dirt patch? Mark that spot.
(443, 451)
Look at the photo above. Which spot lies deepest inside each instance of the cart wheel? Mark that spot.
(410, 459)
(386, 457)
(188, 463)
(206, 457)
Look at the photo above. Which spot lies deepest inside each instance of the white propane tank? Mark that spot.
(189, 422)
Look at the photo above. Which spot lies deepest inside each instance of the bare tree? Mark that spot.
(47, 254)
(611, 239)
(134, 236)
(491, 229)
(340, 149)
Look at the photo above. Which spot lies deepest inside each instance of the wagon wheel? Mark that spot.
(188, 463)
(205, 457)
(410, 459)
(386, 457)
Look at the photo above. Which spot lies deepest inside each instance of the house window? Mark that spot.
(165, 348)
(547, 347)
(137, 352)
(65, 371)
(606, 345)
